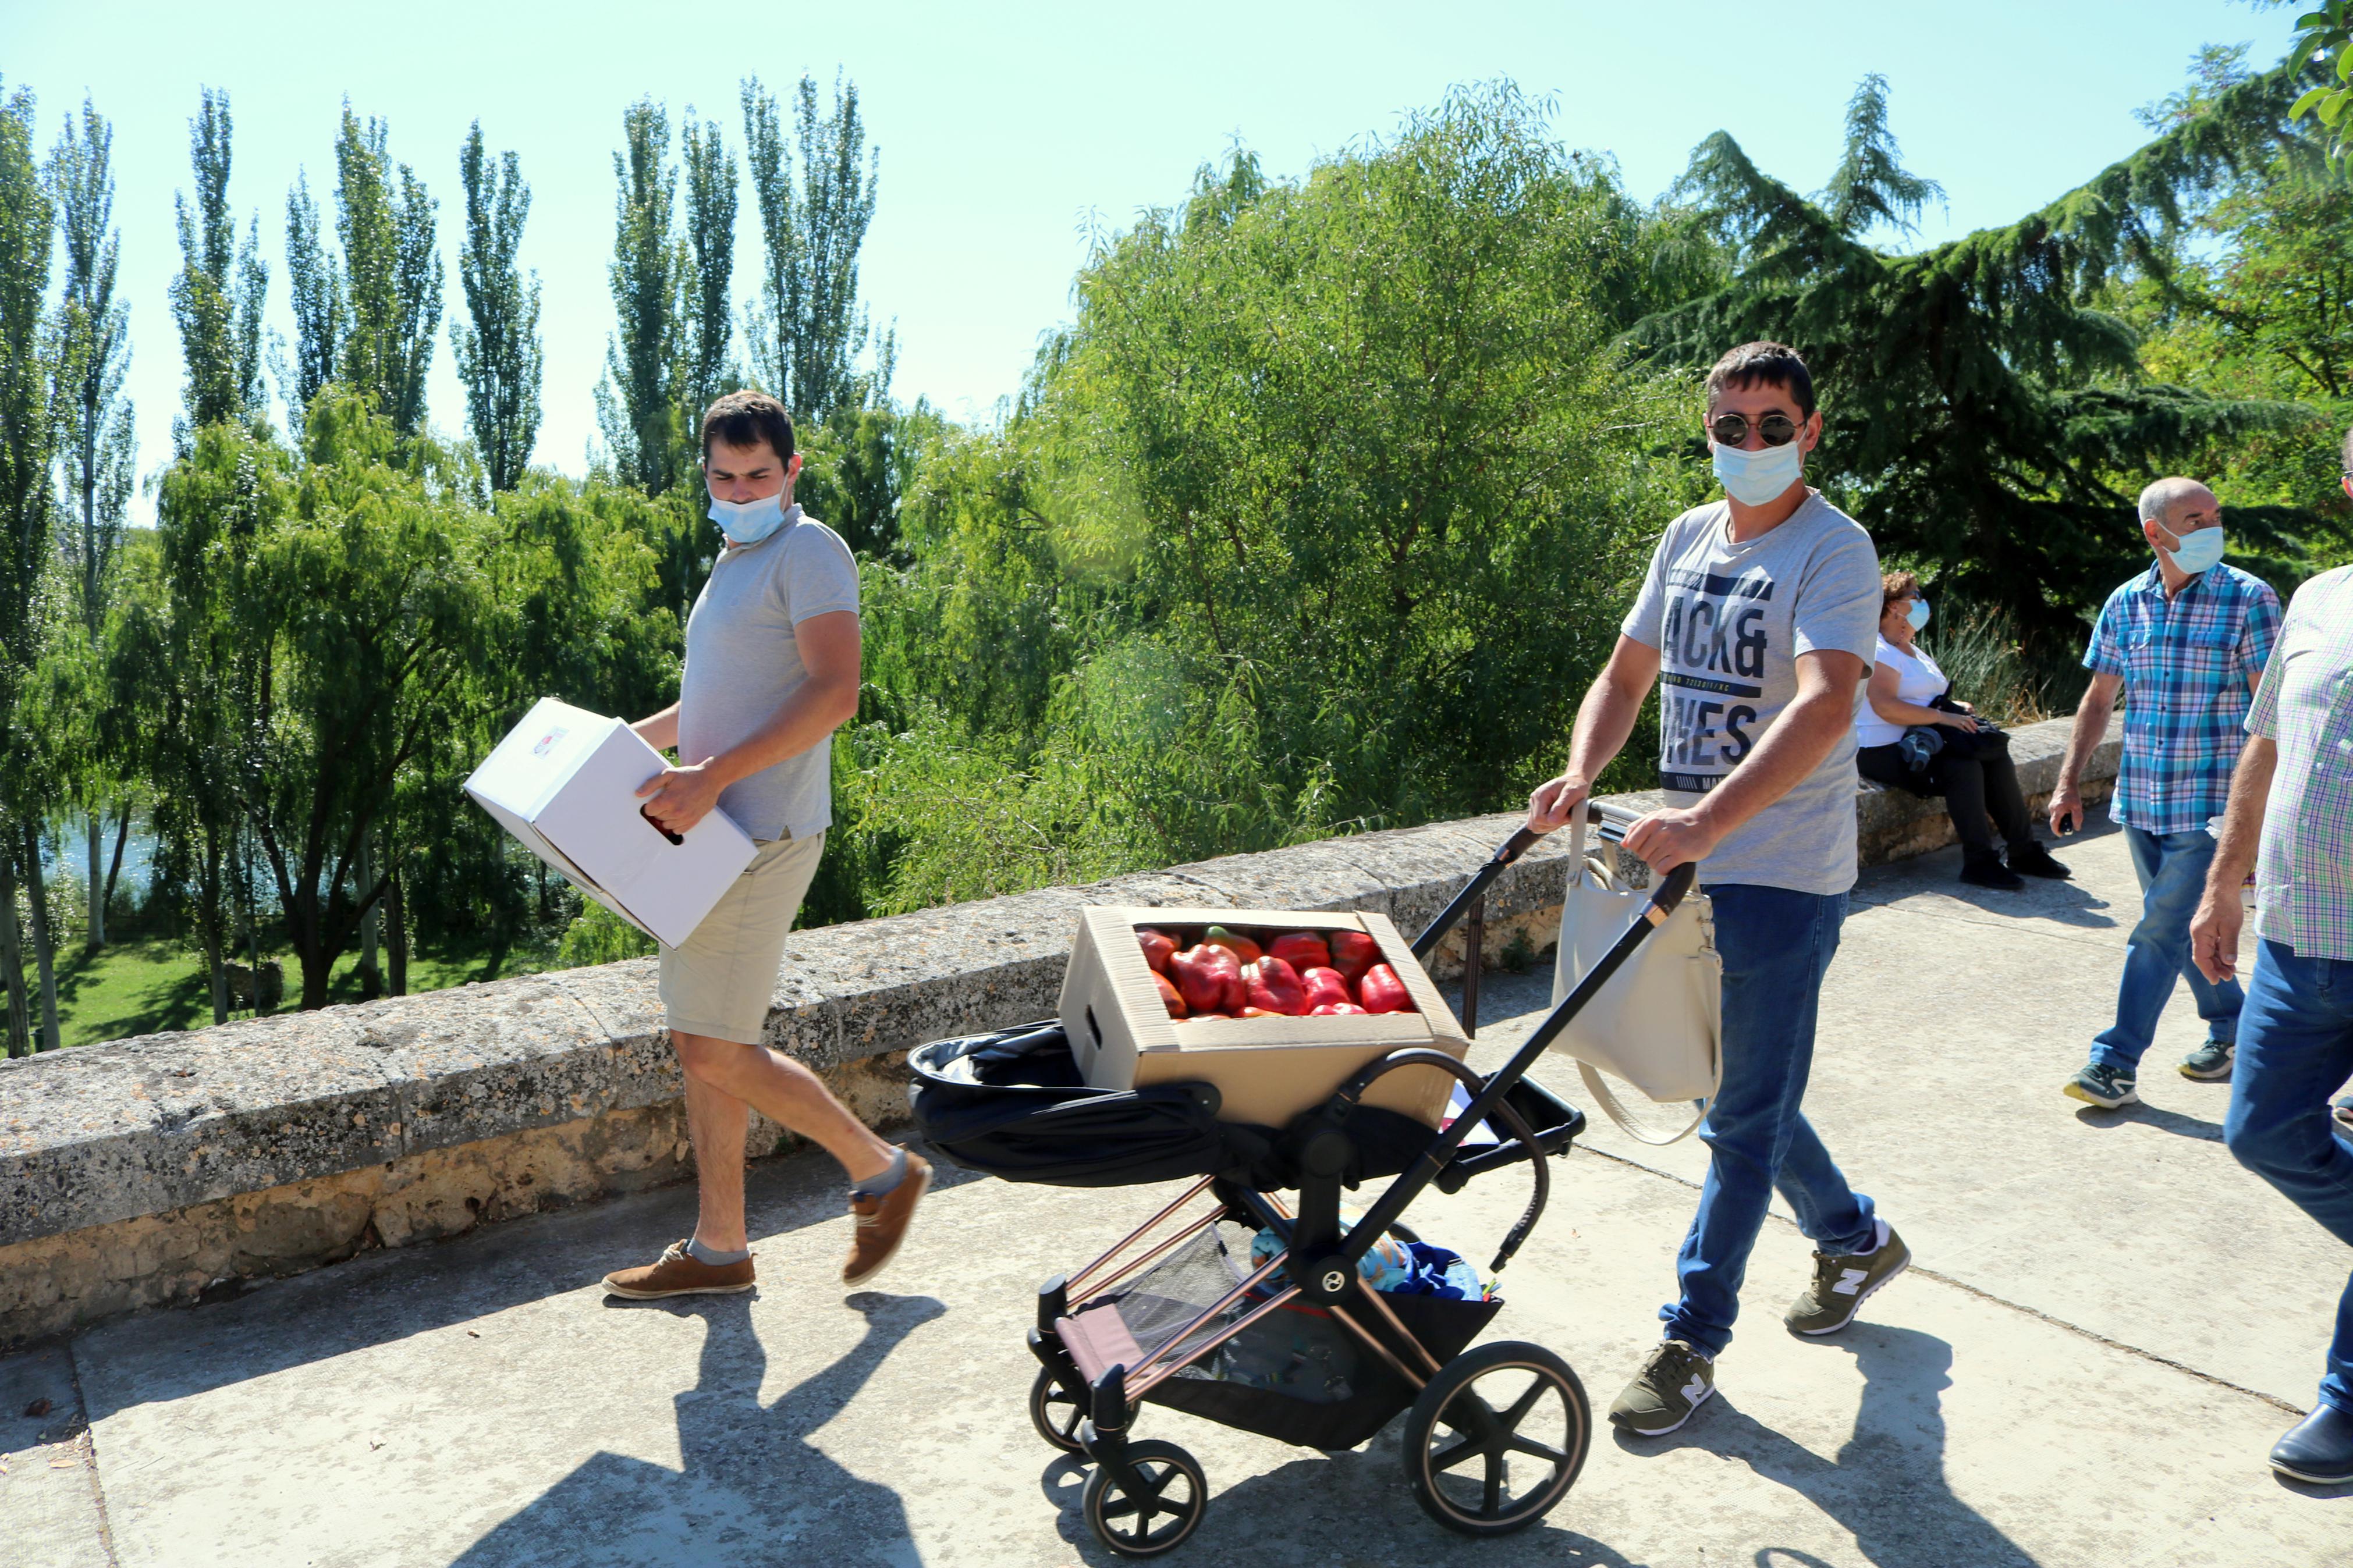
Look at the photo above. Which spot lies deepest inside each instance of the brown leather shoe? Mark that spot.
(678, 1274)
(882, 1223)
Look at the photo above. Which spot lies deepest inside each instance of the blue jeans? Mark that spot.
(2294, 1051)
(1777, 945)
(2172, 871)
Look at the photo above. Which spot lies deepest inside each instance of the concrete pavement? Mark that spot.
(2108, 1324)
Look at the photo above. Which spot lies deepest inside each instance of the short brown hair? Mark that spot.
(1775, 364)
(1897, 585)
(748, 418)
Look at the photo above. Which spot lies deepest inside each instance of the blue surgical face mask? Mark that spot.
(2196, 550)
(1918, 614)
(1753, 479)
(748, 521)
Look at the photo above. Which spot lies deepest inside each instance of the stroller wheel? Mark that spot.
(1160, 1519)
(1055, 1414)
(1496, 1438)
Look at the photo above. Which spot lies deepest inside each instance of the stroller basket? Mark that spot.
(1294, 1374)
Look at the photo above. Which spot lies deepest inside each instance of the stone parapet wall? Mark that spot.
(155, 1169)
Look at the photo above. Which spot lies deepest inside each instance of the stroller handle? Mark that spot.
(1609, 822)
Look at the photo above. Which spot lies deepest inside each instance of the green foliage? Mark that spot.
(808, 331)
(706, 310)
(2322, 33)
(597, 935)
(633, 401)
(93, 348)
(319, 304)
(497, 348)
(392, 274)
(218, 295)
(1984, 416)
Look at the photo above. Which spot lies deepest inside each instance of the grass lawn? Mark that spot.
(143, 985)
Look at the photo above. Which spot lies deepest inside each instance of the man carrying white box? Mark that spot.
(772, 670)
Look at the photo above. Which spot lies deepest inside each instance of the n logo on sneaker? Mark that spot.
(1695, 1390)
(1849, 1281)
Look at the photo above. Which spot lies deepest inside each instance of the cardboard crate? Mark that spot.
(1268, 1071)
(564, 780)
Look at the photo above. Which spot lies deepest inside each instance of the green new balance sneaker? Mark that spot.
(2104, 1086)
(1675, 1380)
(1844, 1281)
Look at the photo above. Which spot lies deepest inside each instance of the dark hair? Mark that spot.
(1775, 364)
(748, 419)
(1897, 585)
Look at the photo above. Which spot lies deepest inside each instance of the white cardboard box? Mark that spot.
(564, 780)
(1267, 1070)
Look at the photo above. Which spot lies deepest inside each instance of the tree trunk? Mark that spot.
(97, 888)
(122, 836)
(371, 924)
(399, 909)
(212, 917)
(43, 948)
(12, 957)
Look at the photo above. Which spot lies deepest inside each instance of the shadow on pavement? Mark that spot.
(1886, 1485)
(751, 1486)
(2148, 1115)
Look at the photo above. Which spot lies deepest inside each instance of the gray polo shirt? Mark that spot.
(743, 661)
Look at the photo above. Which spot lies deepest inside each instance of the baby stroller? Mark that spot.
(1295, 1345)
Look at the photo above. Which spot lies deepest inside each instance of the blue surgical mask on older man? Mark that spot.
(2198, 550)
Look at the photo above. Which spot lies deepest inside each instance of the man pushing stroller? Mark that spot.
(1757, 621)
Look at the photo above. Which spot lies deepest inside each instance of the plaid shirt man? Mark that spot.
(2304, 873)
(2187, 664)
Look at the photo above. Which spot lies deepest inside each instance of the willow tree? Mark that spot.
(1984, 418)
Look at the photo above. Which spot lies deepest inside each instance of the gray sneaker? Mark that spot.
(1675, 1380)
(2104, 1086)
(1844, 1281)
(2210, 1063)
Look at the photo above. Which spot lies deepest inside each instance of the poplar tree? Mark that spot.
(806, 330)
(317, 290)
(1983, 418)
(97, 448)
(641, 362)
(391, 273)
(708, 327)
(217, 297)
(28, 520)
(498, 353)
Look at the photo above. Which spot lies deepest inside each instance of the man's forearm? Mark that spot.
(2092, 717)
(2242, 818)
(1604, 720)
(1793, 747)
(814, 711)
(658, 731)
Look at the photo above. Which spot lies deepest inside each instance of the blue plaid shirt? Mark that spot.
(2188, 666)
(2303, 876)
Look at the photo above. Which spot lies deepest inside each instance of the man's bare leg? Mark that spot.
(723, 1079)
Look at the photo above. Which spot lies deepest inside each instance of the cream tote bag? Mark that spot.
(1659, 1023)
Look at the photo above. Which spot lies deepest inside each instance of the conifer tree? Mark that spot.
(806, 330)
(1984, 420)
(93, 342)
(641, 362)
(216, 297)
(708, 318)
(498, 353)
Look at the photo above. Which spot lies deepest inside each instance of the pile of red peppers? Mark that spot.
(1298, 975)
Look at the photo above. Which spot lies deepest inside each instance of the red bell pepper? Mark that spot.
(1158, 946)
(1276, 986)
(1325, 985)
(1303, 949)
(1211, 979)
(1354, 953)
(1336, 1010)
(1244, 950)
(1382, 992)
(1171, 995)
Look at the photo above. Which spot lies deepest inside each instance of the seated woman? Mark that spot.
(1971, 767)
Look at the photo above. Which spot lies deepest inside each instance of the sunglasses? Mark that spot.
(1732, 429)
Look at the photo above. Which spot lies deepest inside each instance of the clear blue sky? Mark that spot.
(1005, 131)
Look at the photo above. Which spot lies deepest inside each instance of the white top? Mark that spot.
(1918, 679)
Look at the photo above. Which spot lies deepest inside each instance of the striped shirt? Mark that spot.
(2304, 874)
(2188, 665)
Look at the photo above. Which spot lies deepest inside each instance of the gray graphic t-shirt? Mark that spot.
(1729, 621)
(743, 661)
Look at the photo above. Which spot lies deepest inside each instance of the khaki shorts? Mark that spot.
(721, 983)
